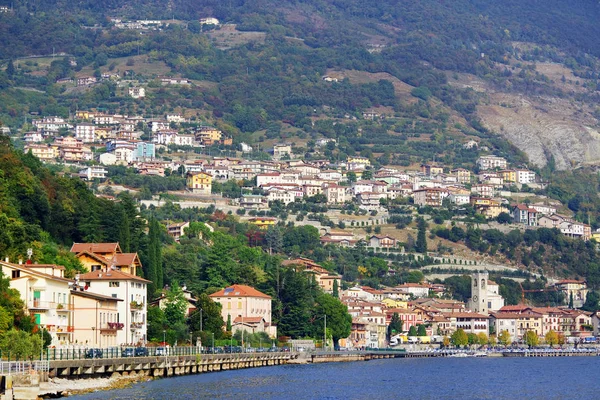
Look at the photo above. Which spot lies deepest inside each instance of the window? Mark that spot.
(113, 284)
(96, 267)
(114, 295)
(16, 274)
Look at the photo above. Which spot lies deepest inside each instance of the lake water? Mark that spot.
(425, 378)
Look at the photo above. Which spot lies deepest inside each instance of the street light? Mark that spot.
(165, 347)
(213, 343)
(325, 333)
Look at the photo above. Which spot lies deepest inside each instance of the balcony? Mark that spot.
(39, 305)
(137, 325)
(134, 305)
(63, 329)
(63, 307)
(113, 326)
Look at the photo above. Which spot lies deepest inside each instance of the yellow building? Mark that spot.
(359, 160)
(486, 206)
(95, 319)
(199, 182)
(208, 135)
(394, 303)
(263, 222)
(96, 256)
(508, 175)
(463, 175)
(85, 115)
(42, 151)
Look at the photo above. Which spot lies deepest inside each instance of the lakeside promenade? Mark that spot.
(24, 381)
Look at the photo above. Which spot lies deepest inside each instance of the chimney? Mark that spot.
(20, 262)
(6, 260)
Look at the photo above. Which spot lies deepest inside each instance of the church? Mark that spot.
(485, 294)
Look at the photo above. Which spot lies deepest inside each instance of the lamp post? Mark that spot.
(213, 343)
(200, 320)
(41, 339)
(325, 333)
(165, 348)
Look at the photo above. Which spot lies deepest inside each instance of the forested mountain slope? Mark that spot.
(525, 69)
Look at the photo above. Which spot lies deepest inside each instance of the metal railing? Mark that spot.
(23, 367)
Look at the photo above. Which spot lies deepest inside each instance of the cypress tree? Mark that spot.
(421, 245)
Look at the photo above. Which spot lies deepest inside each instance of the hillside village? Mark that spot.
(488, 189)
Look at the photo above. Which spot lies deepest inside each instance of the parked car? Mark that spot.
(127, 352)
(141, 352)
(93, 353)
(161, 351)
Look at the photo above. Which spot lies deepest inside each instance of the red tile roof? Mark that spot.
(239, 291)
(112, 275)
(248, 320)
(96, 247)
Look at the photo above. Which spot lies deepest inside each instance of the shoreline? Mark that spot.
(64, 387)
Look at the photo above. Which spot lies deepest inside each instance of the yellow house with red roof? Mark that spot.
(96, 256)
(199, 182)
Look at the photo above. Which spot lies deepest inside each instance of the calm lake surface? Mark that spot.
(426, 378)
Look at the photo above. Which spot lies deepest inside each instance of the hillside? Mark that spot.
(527, 71)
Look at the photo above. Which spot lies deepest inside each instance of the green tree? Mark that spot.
(156, 323)
(531, 339)
(459, 338)
(421, 245)
(395, 325)
(338, 319)
(153, 265)
(367, 175)
(415, 276)
(551, 338)
(176, 305)
(412, 331)
(20, 344)
(482, 338)
(351, 177)
(472, 338)
(421, 330)
(571, 300)
(591, 302)
(504, 218)
(504, 338)
(6, 320)
(274, 239)
(336, 289)
(212, 319)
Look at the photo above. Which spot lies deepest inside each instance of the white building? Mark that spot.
(491, 162)
(414, 289)
(132, 311)
(486, 296)
(46, 296)
(173, 138)
(108, 159)
(91, 173)
(124, 155)
(136, 92)
(249, 305)
(85, 132)
(525, 176)
(33, 137)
